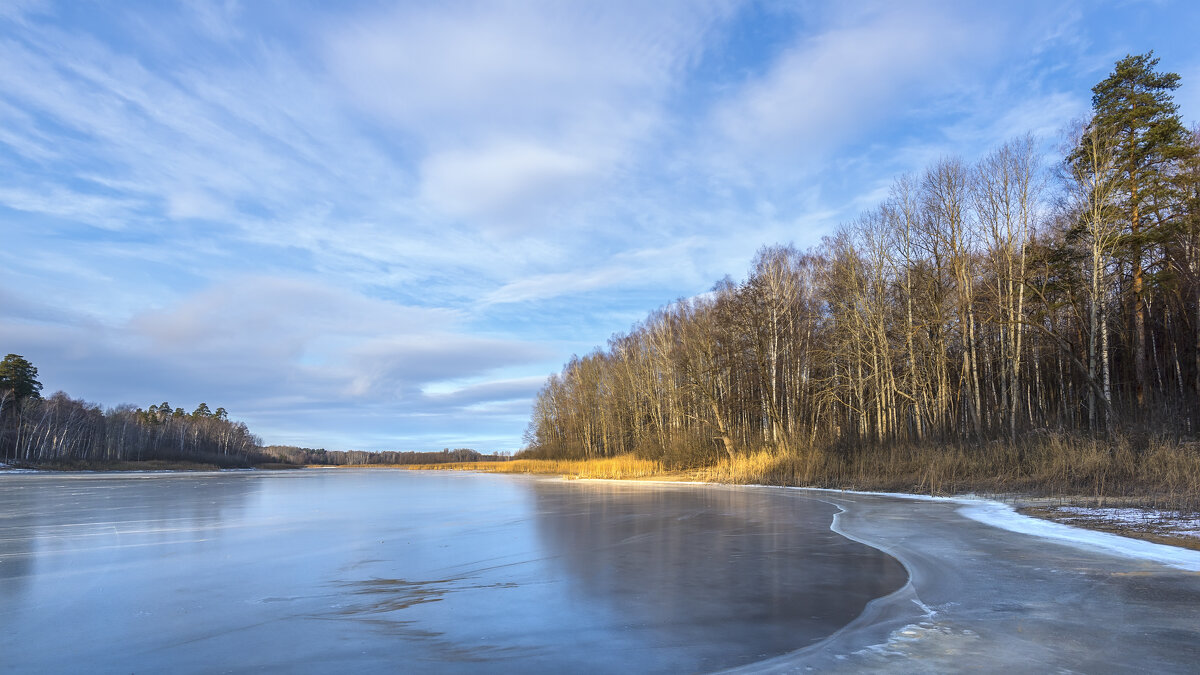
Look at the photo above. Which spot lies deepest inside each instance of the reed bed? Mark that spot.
(1159, 473)
(623, 466)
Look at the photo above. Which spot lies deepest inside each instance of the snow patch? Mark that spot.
(6, 468)
(1005, 517)
(1174, 521)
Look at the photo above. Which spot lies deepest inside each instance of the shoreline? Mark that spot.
(1085, 512)
(994, 588)
(993, 511)
(1171, 528)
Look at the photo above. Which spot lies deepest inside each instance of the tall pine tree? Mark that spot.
(1134, 111)
(19, 377)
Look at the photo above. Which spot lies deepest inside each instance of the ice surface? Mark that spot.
(325, 571)
(353, 571)
(1015, 596)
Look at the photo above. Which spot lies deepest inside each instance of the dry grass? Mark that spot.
(1159, 473)
(624, 466)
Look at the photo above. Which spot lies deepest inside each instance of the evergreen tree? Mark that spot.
(1134, 112)
(19, 377)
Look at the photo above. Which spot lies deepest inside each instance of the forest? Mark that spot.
(71, 433)
(66, 431)
(289, 454)
(991, 318)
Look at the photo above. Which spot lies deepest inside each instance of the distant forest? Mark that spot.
(66, 431)
(982, 304)
(60, 429)
(302, 456)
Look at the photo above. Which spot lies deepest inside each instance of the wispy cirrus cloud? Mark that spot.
(274, 345)
(520, 105)
(503, 181)
(833, 83)
(379, 225)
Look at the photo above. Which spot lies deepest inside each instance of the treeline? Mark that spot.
(63, 429)
(980, 302)
(287, 454)
(60, 429)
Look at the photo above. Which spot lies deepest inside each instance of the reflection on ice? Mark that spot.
(731, 575)
(381, 570)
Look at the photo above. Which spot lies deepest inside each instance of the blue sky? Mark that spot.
(381, 226)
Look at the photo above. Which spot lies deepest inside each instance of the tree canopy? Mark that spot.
(973, 305)
(1137, 121)
(19, 376)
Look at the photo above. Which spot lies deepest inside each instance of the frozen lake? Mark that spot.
(359, 570)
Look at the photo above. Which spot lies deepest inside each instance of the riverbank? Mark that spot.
(986, 589)
(98, 465)
(1161, 526)
(1146, 517)
(1140, 517)
(130, 465)
(993, 591)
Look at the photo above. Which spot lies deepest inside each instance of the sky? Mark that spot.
(381, 226)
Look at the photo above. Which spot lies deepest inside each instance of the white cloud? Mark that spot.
(268, 137)
(445, 71)
(268, 347)
(18, 10)
(191, 203)
(517, 107)
(497, 180)
(328, 343)
(836, 83)
(1044, 116)
(398, 368)
(268, 316)
(104, 211)
(545, 286)
(216, 18)
(499, 390)
(639, 268)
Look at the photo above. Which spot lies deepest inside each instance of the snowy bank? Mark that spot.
(1005, 517)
